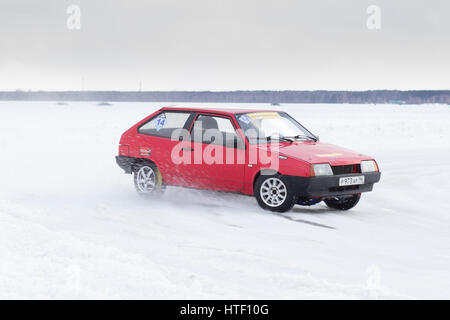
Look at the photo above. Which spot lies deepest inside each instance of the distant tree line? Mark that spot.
(260, 96)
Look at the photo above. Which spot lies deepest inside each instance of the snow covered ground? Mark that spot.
(71, 225)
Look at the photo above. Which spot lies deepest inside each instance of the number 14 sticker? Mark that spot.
(160, 122)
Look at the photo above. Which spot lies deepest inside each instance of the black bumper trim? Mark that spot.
(126, 163)
(329, 185)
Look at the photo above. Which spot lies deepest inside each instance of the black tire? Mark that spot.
(343, 203)
(152, 190)
(277, 206)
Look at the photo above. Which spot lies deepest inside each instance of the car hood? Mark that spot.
(318, 152)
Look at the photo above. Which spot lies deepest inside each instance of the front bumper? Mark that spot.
(328, 186)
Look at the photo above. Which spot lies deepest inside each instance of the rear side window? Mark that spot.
(163, 124)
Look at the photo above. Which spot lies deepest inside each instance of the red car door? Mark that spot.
(217, 154)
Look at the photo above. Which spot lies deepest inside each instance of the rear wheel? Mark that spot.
(273, 193)
(148, 179)
(344, 202)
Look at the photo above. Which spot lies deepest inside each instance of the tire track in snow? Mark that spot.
(312, 223)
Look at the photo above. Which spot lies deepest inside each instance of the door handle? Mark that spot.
(187, 149)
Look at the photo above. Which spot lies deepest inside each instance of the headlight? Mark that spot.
(368, 166)
(322, 169)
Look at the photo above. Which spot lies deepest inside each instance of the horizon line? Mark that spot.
(216, 91)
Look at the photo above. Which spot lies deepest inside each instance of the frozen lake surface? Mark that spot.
(72, 226)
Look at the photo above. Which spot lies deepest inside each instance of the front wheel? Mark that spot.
(343, 203)
(148, 180)
(273, 193)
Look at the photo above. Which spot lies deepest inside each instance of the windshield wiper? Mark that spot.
(299, 136)
(270, 138)
(281, 138)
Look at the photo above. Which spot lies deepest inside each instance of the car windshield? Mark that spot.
(264, 127)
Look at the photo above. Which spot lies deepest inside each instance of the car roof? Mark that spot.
(227, 111)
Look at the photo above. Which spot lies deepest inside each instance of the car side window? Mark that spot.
(165, 123)
(216, 130)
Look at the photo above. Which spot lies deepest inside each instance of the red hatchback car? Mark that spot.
(263, 153)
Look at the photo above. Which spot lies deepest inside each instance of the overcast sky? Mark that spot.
(224, 45)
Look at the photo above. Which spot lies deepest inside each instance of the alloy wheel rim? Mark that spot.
(146, 179)
(273, 192)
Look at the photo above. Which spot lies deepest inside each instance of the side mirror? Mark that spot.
(209, 140)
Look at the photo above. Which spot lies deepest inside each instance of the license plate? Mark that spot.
(350, 181)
